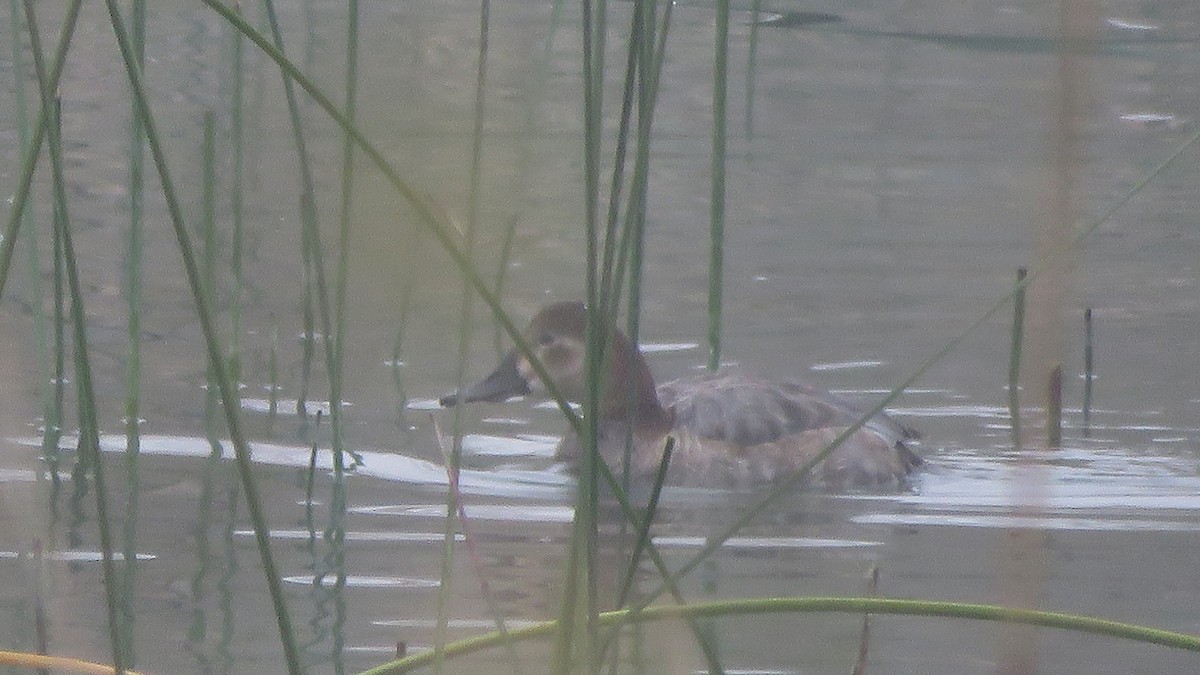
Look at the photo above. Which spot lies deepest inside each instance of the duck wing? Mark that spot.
(747, 411)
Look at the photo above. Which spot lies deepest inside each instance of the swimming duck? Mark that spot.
(730, 429)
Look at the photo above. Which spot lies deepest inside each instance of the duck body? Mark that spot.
(729, 429)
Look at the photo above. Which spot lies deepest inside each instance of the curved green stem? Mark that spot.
(842, 605)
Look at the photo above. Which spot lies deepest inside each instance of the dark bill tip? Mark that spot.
(503, 383)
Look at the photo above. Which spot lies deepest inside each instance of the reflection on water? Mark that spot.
(879, 206)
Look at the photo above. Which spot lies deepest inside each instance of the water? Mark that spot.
(882, 202)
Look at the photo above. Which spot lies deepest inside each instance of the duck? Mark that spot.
(730, 429)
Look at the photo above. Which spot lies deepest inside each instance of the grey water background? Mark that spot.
(880, 200)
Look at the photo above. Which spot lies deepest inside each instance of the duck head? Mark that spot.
(556, 335)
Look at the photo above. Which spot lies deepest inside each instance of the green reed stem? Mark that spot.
(343, 263)
(652, 58)
(308, 322)
(510, 233)
(1054, 408)
(1089, 372)
(607, 264)
(312, 250)
(839, 605)
(643, 533)
(237, 196)
(752, 67)
(133, 359)
(204, 313)
(54, 430)
(578, 594)
(864, 636)
(635, 214)
(225, 581)
(612, 270)
(1014, 359)
(273, 372)
(212, 463)
(208, 234)
(337, 531)
(644, 62)
(716, 256)
(407, 287)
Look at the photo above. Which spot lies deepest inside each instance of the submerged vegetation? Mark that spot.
(616, 136)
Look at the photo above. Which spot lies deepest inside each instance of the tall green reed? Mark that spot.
(237, 198)
(716, 254)
(212, 423)
(133, 300)
(1089, 370)
(336, 532)
(1014, 359)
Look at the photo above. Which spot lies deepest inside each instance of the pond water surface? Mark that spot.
(883, 186)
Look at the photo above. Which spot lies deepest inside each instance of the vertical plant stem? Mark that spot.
(1089, 372)
(635, 215)
(510, 233)
(133, 300)
(212, 344)
(642, 537)
(752, 67)
(212, 410)
(864, 639)
(208, 234)
(312, 251)
(311, 238)
(337, 505)
(1054, 409)
(273, 373)
(237, 203)
(717, 223)
(1014, 358)
(225, 581)
(343, 264)
(609, 300)
(577, 597)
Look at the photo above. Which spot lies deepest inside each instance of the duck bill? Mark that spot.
(503, 383)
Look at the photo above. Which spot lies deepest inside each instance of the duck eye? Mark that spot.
(545, 337)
